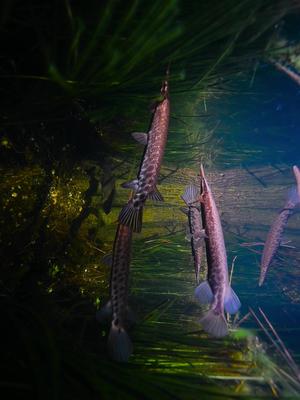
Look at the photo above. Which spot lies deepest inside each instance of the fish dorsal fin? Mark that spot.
(131, 216)
(231, 302)
(190, 194)
(140, 137)
(130, 185)
(204, 293)
(155, 195)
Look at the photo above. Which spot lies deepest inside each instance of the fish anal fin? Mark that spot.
(140, 137)
(204, 293)
(130, 185)
(155, 195)
(231, 301)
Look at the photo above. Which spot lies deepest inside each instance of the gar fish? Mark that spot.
(119, 344)
(274, 236)
(145, 184)
(216, 290)
(197, 233)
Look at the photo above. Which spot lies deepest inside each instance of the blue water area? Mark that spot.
(262, 114)
(260, 124)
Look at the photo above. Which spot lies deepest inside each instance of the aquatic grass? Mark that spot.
(170, 347)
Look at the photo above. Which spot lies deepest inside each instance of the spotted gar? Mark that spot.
(216, 290)
(145, 185)
(274, 235)
(119, 344)
(197, 233)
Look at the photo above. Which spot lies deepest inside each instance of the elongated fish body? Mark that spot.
(274, 236)
(216, 290)
(197, 233)
(119, 343)
(145, 185)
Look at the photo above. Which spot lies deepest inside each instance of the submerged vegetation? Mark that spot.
(75, 81)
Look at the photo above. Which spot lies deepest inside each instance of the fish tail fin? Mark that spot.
(132, 216)
(231, 302)
(190, 195)
(214, 323)
(119, 344)
(294, 195)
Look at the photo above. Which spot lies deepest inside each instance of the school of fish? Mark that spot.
(205, 235)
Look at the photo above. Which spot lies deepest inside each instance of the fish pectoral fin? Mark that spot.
(155, 195)
(131, 184)
(140, 137)
(105, 313)
(190, 194)
(204, 293)
(108, 259)
(185, 210)
(231, 302)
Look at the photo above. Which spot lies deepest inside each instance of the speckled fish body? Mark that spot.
(274, 236)
(216, 291)
(119, 343)
(197, 239)
(120, 275)
(215, 247)
(145, 185)
(197, 234)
